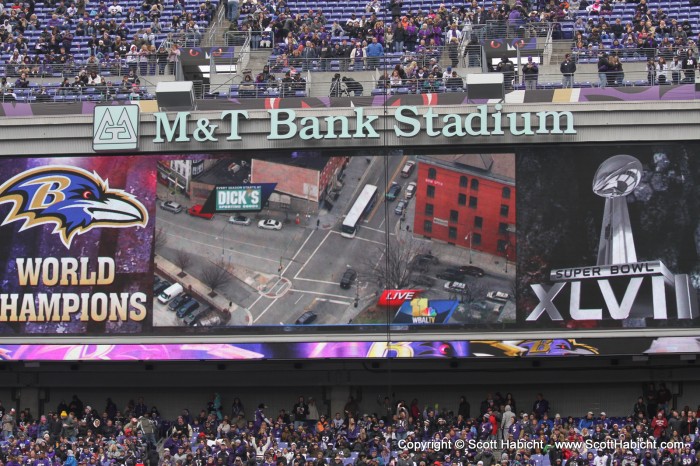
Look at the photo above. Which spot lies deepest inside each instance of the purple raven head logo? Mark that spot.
(72, 199)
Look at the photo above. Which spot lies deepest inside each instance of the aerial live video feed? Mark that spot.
(312, 239)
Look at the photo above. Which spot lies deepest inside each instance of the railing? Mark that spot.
(53, 93)
(241, 40)
(211, 33)
(548, 47)
(470, 56)
(107, 69)
(346, 85)
(632, 55)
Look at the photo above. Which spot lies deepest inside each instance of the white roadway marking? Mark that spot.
(297, 253)
(202, 233)
(218, 248)
(316, 281)
(333, 301)
(297, 301)
(374, 229)
(312, 254)
(283, 271)
(265, 310)
(319, 293)
(369, 240)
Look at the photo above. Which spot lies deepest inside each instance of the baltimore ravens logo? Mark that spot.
(72, 199)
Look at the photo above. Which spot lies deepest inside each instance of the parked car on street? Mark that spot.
(171, 206)
(239, 220)
(270, 224)
(196, 211)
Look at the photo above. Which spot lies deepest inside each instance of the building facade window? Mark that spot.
(476, 239)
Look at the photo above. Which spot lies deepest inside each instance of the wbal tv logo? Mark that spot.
(422, 312)
(115, 127)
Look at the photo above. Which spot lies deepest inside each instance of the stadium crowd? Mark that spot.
(74, 38)
(78, 434)
(92, 44)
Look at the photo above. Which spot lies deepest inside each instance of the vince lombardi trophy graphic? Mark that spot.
(616, 178)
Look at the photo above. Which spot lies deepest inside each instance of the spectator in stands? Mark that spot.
(64, 89)
(540, 407)
(374, 52)
(357, 56)
(506, 67)
(173, 58)
(661, 71)
(42, 96)
(22, 82)
(568, 68)
(455, 83)
(616, 74)
(676, 66)
(530, 73)
(94, 79)
(453, 51)
(690, 65)
(298, 83)
(602, 70)
(395, 80)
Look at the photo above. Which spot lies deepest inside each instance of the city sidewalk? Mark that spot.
(355, 173)
(239, 315)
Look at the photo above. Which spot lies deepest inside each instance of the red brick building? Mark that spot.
(468, 200)
(307, 179)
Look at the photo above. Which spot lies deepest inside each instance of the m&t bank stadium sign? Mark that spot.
(115, 125)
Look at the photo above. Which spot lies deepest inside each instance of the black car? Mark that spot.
(451, 274)
(429, 258)
(179, 301)
(185, 308)
(471, 270)
(422, 262)
(393, 192)
(348, 278)
(306, 318)
(160, 285)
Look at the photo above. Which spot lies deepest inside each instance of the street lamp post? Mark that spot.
(469, 237)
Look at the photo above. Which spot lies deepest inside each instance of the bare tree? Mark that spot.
(214, 275)
(160, 238)
(183, 259)
(391, 267)
(473, 289)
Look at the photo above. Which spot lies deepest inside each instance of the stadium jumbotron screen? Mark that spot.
(306, 241)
